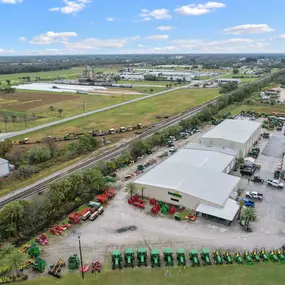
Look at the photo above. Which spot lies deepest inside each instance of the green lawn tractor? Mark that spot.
(272, 256)
(205, 256)
(142, 256)
(238, 258)
(34, 251)
(217, 257)
(228, 257)
(129, 258)
(263, 255)
(255, 256)
(280, 255)
(193, 255)
(73, 262)
(117, 259)
(39, 265)
(180, 255)
(168, 257)
(155, 258)
(247, 258)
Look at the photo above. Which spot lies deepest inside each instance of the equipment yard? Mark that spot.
(124, 226)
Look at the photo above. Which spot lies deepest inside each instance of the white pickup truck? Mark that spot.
(275, 183)
(254, 195)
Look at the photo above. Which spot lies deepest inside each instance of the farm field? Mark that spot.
(242, 80)
(258, 108)
(36, 106)
(144, 111)
(261, 274)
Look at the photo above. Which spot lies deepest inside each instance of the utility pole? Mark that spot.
(83, 106)
(81, 261)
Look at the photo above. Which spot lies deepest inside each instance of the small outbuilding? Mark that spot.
(4, 167)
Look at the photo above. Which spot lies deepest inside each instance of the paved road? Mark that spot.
(23, 132)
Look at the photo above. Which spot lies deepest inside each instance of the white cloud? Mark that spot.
(110, 19)
(7, 51)
(249, 29)
(93, 43)
(71, 7)
(158, 50)
(52, 37)
(11, 1)
(280, 37)
(164, 28)
(135, 38)
(140, 46)
(199, 9)
(157, 37)
(22, 39)
(158, 14)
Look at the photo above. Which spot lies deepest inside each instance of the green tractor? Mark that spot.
(34, 251)
(263, 255)
(39, 265)
(129, 258)
(272, 256)
(247, 258)
(116, 259)
(280, 255)
(217, 257)
(180, 255)
(255, 255)
(142, 256)
(238, 258)
(73, 262)
(168, 257)
(228, 257)
(193, 255)
(205, 256)
(155, 258)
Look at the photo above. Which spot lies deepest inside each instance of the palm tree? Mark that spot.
(14, 118)
(51, 109)
(131, 188)
(6, 122)
(60, 111)
(249, 214)
(15, 261)
(6, 249)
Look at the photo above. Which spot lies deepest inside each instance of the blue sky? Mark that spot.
(141, 26)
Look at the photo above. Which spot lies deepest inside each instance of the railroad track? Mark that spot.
(107, 155)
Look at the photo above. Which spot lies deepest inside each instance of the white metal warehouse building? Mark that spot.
(239, 135)
(196, 179)
(4, 167)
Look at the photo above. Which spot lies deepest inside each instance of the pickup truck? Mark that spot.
(275, 183)
(254, 195)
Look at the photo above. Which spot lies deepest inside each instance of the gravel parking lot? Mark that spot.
(100, 237)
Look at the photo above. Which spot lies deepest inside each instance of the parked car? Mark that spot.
(172, 149)
(254, 195)
(248, 203)
(247, 171)
(257, 179)
(275, 183)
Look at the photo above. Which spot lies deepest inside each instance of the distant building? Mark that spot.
(4, 167)
(271, 92)
(226, 80)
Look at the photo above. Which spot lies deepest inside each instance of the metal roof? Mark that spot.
(233, 130)
(196, 173)
(227, 212)
(2, 161)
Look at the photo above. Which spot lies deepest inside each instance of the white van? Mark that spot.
(94, 216)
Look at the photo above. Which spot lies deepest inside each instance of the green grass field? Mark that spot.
(38, 103)
(261, 274)
(144, 111)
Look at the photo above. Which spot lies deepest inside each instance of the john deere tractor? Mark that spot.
(180, 255)
(116, 259)
(228, 258)
(168, 257)
(34, 251)
(142, 256)
(73, 262)
(263, 255)
(205, 256)
(129, 258)
(255, 255)
(39, 265)
(247, 258)
(272, 256)
(280, 255)
(155, 258)
(193, 255)
(238, 258)
(217, 257)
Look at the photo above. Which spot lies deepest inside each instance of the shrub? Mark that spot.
(38, 154)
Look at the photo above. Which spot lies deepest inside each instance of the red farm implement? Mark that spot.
(136, 201)
(102, 198)
(42, 239)
(110, 193)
